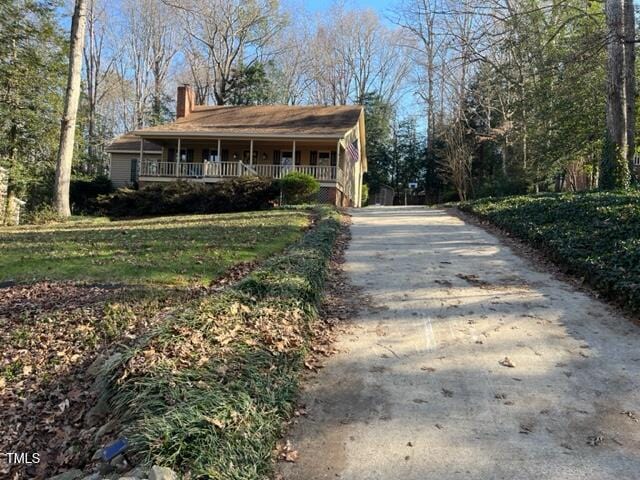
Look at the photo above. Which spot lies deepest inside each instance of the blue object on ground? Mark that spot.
(114, 449)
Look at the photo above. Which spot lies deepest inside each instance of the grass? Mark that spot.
(208, 390)
(198, 354)
(176, 250)
(594, 235)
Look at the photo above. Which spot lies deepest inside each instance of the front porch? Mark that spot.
(211, 160)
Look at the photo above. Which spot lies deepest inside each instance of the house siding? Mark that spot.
(120, 167)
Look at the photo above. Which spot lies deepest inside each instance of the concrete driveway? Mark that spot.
(421, 388)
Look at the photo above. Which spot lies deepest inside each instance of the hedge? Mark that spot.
(208, 391)
(234, 195)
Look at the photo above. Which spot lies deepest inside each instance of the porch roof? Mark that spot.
(131, 143)
(261, 121)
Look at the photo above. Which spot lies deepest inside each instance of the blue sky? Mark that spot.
(379, 5)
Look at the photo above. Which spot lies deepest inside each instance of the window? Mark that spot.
(324, 159)
(210, 155)
(186, 155)
(245, 156)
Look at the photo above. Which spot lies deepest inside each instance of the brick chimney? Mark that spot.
(185, 101)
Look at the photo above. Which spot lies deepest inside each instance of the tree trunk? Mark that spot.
(68, 123)
(630, 77)
(614, 171)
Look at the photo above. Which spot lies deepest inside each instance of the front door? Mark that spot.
(286, 159)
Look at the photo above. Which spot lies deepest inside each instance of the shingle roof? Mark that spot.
(129, 142)
(264, 120)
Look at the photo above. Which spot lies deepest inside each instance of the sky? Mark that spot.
(378, 5)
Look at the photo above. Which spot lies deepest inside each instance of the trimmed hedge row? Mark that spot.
(593, 235)
(207, 392)
(234, 195)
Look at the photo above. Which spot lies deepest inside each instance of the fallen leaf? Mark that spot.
(595, 440)
(507, 363)
(291, 456)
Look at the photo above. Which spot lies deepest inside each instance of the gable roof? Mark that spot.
(263, 121)
(131, 143)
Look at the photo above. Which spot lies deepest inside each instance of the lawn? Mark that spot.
(177, 250)
(595, 236)
(89, 289)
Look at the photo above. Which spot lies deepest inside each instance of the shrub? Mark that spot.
(41, 215)
(235, 195)
(298, 187)
(83, 193)
(365, 194)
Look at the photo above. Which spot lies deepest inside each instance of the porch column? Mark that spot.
(219, 152)
(177, 174)
(338, 159)
(251, 152)
(141, 152)
(293, 155)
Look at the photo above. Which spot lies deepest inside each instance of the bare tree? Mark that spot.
(232, 31)
(418, 18)
(458, 159)
(98, 65)
(68, 123)
(163, 47)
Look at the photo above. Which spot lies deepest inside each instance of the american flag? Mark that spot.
(353, 150)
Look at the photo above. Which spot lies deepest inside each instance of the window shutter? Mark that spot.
(298, 157)
(225, 155)
(333, 158)
(276, 157)
(133, 176)
(205, 154)
(190, 155)
(172, 155)
(313, 157)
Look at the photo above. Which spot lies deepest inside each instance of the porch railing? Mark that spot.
(278, 171)
(154, 168)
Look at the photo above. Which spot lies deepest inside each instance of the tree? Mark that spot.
(68, 122)
(250, 86)
(31, 56)
(233, 33)
(378, 136)
(98, 66)
(619, 141)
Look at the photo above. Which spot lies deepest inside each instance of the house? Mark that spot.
(212, 143)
